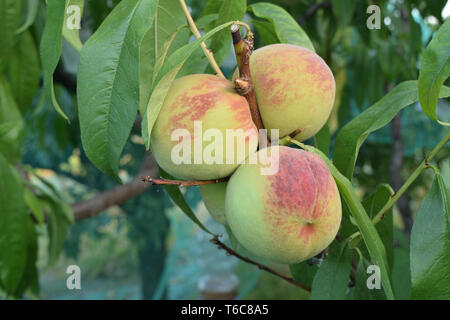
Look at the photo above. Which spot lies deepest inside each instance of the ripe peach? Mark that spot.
(213, 195)
(294, 87)
(205, 153)
(286, 217)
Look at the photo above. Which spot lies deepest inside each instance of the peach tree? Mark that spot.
(159, 65)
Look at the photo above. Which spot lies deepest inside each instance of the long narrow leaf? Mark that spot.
(354, 133)
(430, 245)
(435, 69)
(108, 83)
(51, 48)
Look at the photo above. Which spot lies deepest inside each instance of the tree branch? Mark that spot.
(180, 183)
(117, 196)
(230, 251)
(395, 170)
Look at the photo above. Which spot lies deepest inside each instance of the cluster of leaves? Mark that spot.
(29, 204)
(126, 67)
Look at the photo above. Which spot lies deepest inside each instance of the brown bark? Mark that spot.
(116, 196)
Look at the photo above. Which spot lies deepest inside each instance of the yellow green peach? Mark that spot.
(213, 195)
(294, 88)
(196, 105)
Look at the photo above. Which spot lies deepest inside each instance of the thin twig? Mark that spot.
(423, 165)
(181, 183)
(230, 251)
(209, 55)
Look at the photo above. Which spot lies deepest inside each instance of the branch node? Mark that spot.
(242, 86)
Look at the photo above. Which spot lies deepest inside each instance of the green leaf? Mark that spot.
(11, 125)
(371, 238)
(51, 48)
(13, 228)
(10, 15)
(331, 280)
(165, 77)
(50, 195)
(24, 71)
(343, 10)
(178, 198)
(73, 35)
(30, 279)
(169, 18)
(57, 227)
(303, 272)
(165, 51)
(361, 290)
(212, 6)
(59, 215)
(322, 139)
(35, 205)
(401, 280)
(108, 82)
(266, 31)
(354, 133)
(230, 10)
(32, 10)
(286, 28)
(385, 228)
(204, 21)
(430, 245)
(434, 70)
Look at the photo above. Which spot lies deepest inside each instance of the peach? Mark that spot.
(213, 195)
(286, 217)
(294, 87)
(195, 153)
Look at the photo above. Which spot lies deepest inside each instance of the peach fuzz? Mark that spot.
(287, 217)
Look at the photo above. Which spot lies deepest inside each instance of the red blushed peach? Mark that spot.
(294, 87)
(286, 217)
(214, 102)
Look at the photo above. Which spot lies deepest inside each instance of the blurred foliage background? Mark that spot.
(146, 248)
